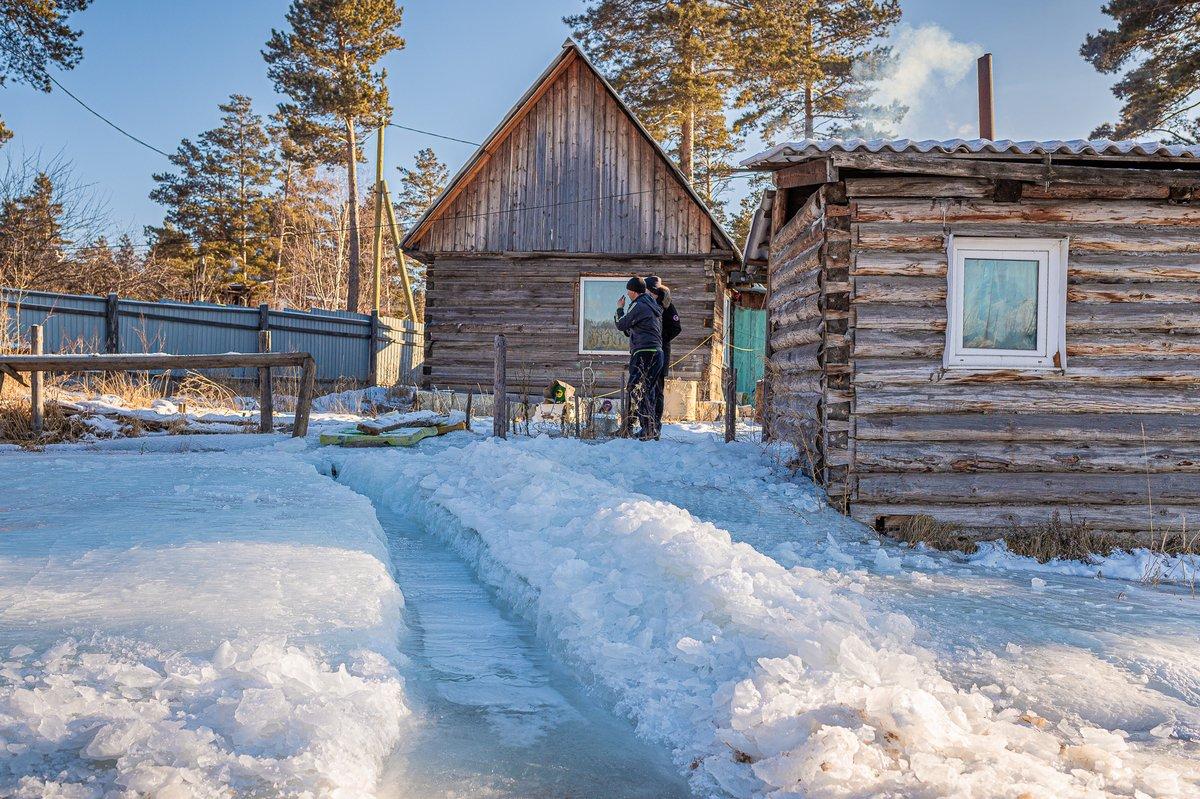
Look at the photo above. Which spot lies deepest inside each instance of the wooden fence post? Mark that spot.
(731, 404)
(470, 401)
(624, 421)
(112, 324)
(766, 403)
(373, 350)
(500, 389)
(266, 396)
(264, 323)
(35, 383)
(308, 387)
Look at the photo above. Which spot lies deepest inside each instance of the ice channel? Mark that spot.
(498, 717)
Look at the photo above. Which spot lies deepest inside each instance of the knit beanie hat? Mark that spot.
(636, 285)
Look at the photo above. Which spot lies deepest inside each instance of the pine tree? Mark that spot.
(31, 237)
(326, 65)
(175, 264)
(670, 61)
(33, 35)
(1156, 46)
(420, 186)
(716, 148)
(804, 61)
(220, 196)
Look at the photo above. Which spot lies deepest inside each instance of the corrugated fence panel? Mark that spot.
(189, 329)
(339, 341)
(69, 323)
(401, 348)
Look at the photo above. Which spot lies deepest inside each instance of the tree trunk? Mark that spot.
(352, 277)
(809, 121)
(287, 185)
(808, 111)
(687, 141)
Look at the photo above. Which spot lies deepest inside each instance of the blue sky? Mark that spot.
(159, 69)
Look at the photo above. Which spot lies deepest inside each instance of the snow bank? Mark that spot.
(192, 625)
(1138, 564)
(766, 681)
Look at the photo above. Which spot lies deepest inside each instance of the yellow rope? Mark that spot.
(678, 361)
(681, 358)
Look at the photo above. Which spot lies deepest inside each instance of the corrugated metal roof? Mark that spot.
(807, 148)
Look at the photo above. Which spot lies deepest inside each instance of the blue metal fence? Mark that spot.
(348, 347)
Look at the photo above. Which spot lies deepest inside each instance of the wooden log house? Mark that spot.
(538, 232)
(988, 332)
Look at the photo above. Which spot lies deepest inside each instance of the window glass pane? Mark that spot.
(597, 306)
(1000, 304)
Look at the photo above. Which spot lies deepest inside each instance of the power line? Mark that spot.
(370, 226)
(435, 135)
(105, 119)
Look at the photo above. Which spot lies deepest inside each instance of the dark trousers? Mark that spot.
(660, 385)
(644, 367)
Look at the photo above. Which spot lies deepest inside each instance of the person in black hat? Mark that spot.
(670, 329)
(642, 323)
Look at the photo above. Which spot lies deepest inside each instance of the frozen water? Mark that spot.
(861, 669)
(499, 717)
(177, 620)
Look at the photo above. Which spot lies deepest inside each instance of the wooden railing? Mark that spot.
(263, 361)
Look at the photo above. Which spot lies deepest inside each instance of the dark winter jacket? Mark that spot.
(642, 322)
(670, 320)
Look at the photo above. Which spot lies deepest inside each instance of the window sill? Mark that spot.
(951, 374)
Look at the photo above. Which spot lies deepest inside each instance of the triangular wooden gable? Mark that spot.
(570, 169)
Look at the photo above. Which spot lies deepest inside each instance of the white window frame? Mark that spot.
(1051, 255)
(583, 280)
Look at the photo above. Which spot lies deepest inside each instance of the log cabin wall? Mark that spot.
(535, 303)
(795, 330)
(568, 185)
(1113, 440)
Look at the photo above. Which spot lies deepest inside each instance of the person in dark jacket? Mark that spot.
(670, 329)
(642, 322)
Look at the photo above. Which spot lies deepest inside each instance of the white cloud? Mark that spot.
(926, 74)
(925, 60)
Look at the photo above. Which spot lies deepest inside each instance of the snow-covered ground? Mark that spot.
(561, 598)
(838, 668)
(180, 624)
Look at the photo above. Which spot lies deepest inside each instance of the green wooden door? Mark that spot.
(750, 343)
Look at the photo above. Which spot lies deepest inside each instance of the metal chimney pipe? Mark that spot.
(987, 110)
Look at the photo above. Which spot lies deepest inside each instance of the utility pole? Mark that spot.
(400, 260)
(380, 198)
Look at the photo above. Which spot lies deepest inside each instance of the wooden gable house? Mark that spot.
(988, 332)
(538, 232)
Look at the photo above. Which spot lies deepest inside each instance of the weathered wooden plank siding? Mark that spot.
(567, 186)
(574, 175)
(534, 302)
(994, 450)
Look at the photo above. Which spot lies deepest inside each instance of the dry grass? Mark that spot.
(926, 530)
(16, 424)
(1060, 540)
(1174, 558)
(1057, 539)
